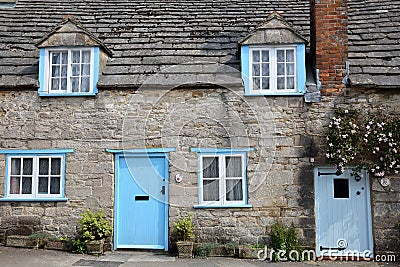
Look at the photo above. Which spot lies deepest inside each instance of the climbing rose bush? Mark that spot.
(364, 141)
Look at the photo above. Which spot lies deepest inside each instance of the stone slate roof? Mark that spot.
(144, 36)
(374, 43)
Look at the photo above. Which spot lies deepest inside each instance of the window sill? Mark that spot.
(66, 94)
(272, 94)
(222, 207)
(33, 199)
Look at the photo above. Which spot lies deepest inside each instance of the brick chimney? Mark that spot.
(329, 43)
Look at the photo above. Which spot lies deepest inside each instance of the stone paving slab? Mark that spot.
(21, 257)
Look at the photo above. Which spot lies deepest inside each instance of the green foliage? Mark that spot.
(284, 242)
(79, 246)
(94, 226)
(368, 141)
(184, 228)
(37, 236)
(231, 247)
(204, 250)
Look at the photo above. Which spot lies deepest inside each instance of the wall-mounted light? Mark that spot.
(385, 182)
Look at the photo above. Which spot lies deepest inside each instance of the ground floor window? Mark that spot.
(36, 174)
(222, 177)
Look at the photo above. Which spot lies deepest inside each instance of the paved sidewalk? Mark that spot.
(13, 257)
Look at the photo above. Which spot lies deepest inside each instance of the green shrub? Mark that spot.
(284, 241)
(94, 226)
(204, 250)
(184, 228)
(79, 246)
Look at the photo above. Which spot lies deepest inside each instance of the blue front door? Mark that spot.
(141, 209)
(343, 214)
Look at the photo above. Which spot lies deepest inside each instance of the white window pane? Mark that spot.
(55, 166)
(234, 190)
(15, 166)
(280, 54)
(27, 166)
(265, 69)
(76, 69)
(265, 56)
(43, 166)
(55, 185)
(55, 58)
(290, 83)
(55, 84)
(85, 84)
(280, 69)
(55, 71)
(210, 190)
(265, 84)
(290, 69)
(26, 185)
(14, 185)
(281, 83)
(256, 69)
(76, 57)
(64, 84)
(85, 70)
(85, 56)
(75, 84)
(256, 83)
(290, 55)
(43, 187)
(210, 167)
(64, 69)
(256, 55)
(64, 58)
(233, 166)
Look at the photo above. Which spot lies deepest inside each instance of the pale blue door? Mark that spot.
(343, 214)
(141, 209)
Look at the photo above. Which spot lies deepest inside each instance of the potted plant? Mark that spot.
(184, 231)
(94, 228)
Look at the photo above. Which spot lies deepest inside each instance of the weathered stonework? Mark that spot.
(284, 132)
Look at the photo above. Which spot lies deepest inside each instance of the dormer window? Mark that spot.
(69, 70)
(273, 69)
(69, 62)
(273, 59)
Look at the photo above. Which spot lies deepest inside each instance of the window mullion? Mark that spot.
(69, 71)
(273, 70)
(222, 174)
(35, 179)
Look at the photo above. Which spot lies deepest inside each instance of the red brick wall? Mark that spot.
(329, 42)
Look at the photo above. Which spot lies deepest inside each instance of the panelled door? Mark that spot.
(343, 214)
(141, 210)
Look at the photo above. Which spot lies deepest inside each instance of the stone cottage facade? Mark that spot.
(151, 111)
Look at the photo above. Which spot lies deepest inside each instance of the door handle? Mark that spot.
(163, 190)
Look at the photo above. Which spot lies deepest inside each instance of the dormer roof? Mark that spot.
(274, 30)
(71, 33)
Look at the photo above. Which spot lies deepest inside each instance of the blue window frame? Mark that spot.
(273, 70)
(68, 71)
(35, 175)
(222, 177)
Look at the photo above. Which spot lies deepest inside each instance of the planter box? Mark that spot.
(185, 249)
(95, 247)
(246, 252)
(21, 241)
(57, 245)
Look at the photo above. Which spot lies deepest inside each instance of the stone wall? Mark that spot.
(286, 134)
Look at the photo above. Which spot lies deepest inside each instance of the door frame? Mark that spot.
(146, 152)
(316, 203)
